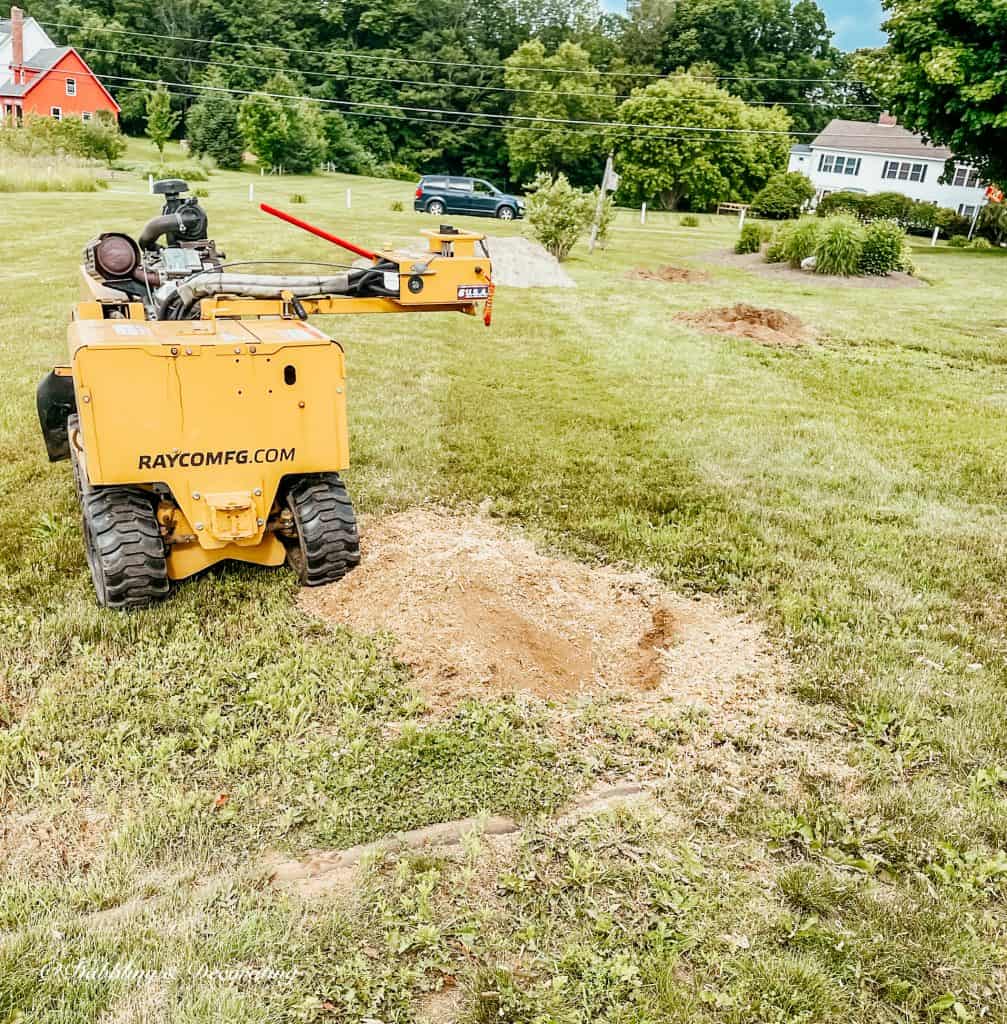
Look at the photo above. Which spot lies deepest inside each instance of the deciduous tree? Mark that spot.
(944, 73)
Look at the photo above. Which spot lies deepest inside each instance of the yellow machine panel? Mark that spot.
(204, 416)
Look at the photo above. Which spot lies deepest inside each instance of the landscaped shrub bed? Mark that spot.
(842, 245)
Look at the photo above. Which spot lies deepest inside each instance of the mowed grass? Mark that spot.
(850, 494)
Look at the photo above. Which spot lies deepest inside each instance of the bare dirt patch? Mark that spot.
(474, 608)
(783, 271)
(669, 275)
(767, 326)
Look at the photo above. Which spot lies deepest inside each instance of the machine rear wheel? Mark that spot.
(327, 545)
(125, 550)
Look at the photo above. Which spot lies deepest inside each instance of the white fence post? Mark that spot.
(643, 213)
(934, 237)
(741, 219)
(251, 192)
(150, 183)
(348, 200)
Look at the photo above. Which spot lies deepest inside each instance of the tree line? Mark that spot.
(465, 68)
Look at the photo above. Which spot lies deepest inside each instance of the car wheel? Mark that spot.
(505, 213)
(436, 207)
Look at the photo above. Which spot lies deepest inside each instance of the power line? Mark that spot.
(357, 55)
(621, 125)
(349, 76)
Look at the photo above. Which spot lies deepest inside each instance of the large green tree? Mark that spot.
(281, 129)
(765, 51)
(550, 97)
(212, 123)
(687, 140)
(944, 73)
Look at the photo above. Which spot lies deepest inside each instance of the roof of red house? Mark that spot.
(43, 61)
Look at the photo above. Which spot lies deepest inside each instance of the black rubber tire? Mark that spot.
(327, 545)
(436, 207)
(506, 213)
(125, 550)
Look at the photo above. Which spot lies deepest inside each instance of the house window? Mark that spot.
(900, 170)
(71, 87)
(85, 115)
(966, 177)
(839, 164)
(56, 113)
(965, 210)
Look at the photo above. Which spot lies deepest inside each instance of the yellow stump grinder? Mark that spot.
(204, 416)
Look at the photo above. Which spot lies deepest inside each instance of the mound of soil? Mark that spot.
(668, 274)
(768, 326)
(476, 608)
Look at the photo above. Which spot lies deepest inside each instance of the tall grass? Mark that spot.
(49, 174)
(840, 245)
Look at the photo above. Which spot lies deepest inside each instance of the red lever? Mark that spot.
(320, 232)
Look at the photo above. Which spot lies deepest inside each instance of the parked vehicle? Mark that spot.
(440, 193)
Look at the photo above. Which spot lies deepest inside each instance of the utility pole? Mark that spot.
(609, 183)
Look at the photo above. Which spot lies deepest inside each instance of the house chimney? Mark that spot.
(888, 119)
(17, 43)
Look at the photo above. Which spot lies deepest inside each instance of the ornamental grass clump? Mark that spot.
(882, 249)
(750, 239)
(839, 246)
(801, 241)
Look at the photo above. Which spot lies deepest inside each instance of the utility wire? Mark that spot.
(357, 55)
(350, 76)
(690, 129)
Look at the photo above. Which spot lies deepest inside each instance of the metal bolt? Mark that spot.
(257, 492)
(188, 351)
(261, 522)
(251, 348)
(174, 350)
(339, 391)
(87, 398)
(300, 405)
(199, 526)
(195, 495)
(237, 349)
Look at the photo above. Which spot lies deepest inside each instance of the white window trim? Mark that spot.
(71, 86)
(85, 115)
(56, 113)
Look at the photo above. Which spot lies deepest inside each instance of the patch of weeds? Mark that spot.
(786, 988)
(974, 873)
(898, 746)
(813, 889)
(503, 995)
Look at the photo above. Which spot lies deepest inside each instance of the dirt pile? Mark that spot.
(668, 274)
(474, 608)
(522, 263)
(768, 326)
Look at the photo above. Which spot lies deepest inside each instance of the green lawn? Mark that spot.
(848, 494)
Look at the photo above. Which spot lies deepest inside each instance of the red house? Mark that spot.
(53, 81)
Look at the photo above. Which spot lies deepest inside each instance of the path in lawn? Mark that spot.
(837, 862)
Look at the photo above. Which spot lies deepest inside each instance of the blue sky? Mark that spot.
(855, 22)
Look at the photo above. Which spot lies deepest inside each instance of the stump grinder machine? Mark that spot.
(204, 416)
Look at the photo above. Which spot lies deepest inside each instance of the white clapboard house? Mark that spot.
(863, 156)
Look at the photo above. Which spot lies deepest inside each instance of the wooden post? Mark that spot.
(600, 204)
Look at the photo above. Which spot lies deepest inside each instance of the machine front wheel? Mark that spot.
(125, 550)
(327, 545)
